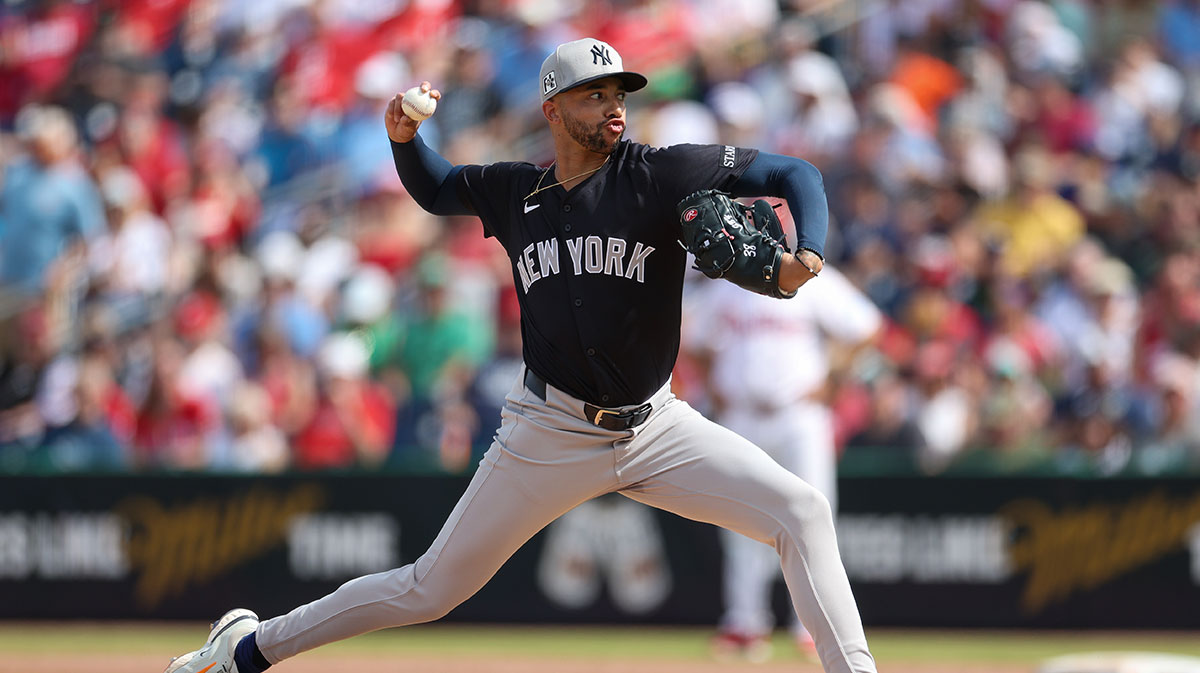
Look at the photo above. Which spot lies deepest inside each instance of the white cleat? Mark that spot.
(217, 654)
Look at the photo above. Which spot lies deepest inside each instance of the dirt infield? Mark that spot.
(318, 663)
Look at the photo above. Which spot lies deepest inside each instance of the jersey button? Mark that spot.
(578, 303)
(604, 398)
(567, 208)
(591, 352)
(566, 227)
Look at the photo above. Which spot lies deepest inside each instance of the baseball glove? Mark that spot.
(742, 244)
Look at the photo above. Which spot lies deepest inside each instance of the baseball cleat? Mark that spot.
(807, 646)
(737, 645)
(217, 654)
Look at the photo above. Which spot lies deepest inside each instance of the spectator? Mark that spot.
(1033, 226)
(133, 259)
(34, 67)
(257, 445)
(176, 428)
(441, 351)
(354, 421)
(25, 352)
(91, 419)
(50, 204)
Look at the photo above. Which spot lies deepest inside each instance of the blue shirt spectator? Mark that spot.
(49, 201)
(1180, 29)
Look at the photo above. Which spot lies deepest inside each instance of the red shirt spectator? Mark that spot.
(324, 65)
(356, 427)
(147, 26)
(152, 144)
(38, 49)
(355, 421)
(1063, 121)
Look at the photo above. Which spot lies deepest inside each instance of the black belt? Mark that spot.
(609, 419)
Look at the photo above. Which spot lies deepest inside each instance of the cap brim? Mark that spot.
(632, 81)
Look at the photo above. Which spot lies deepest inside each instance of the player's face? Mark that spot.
(593, 114)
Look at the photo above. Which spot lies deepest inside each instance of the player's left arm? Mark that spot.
(800, 184)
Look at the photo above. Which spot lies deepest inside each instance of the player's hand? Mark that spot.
(400, 127)
(799, 268)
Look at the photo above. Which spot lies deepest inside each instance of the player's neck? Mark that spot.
(573, 164)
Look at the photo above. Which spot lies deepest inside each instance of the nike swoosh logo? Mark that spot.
(529, 207)
(206, 668)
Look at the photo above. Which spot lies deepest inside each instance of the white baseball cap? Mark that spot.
(581, 61)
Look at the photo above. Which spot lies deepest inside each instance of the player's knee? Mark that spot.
(420, 607)
(438, 609)
(810, 507)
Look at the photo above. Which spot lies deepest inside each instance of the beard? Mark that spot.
(591, 138)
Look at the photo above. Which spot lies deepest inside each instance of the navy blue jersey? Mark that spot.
(599, 270)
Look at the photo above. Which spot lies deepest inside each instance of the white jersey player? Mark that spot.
(766, 365)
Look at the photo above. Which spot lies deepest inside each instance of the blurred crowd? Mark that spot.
(208, 263)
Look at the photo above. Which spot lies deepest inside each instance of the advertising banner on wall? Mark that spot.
(920, 552)
(191, 547)
(1039, 552)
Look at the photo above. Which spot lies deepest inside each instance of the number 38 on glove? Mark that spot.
(742, 244)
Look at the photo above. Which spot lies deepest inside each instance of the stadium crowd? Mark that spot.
(208, 263)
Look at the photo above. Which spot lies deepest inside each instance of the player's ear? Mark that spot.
(550, 111)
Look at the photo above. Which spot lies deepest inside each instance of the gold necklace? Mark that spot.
(539, 188)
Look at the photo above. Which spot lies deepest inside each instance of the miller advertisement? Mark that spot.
(946, 552)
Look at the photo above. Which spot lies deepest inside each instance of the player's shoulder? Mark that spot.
(677, 150)
(629, 150)
(501, 175)
(513, 168)
(695, 157)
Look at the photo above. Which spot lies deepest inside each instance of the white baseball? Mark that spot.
(417, 104)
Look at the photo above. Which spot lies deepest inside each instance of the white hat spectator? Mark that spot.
(122, 188)
(343, 355)
(737, 104)
(329, 261)
(1111, 277)
(683, 122)
(381, 75)
(280, 254)
(1038, 42)
(367, 295)
(894, 106)
(815, 74)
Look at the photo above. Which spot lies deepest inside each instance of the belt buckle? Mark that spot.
(600, 415)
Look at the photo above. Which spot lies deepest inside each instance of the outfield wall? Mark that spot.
(948, 551)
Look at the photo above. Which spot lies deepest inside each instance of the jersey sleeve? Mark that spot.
(489, 190)
(679, 170)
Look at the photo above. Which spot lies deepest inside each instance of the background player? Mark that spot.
(765, 365)
(593, 240)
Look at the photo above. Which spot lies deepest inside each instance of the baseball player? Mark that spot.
(594, 241)
(766, 363)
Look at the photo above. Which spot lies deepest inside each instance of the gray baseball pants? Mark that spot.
(545, 460)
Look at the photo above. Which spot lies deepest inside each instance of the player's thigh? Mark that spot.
(703, 471)
(523, 483)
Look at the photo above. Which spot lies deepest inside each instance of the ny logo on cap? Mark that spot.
(548, 83)
(600, 55)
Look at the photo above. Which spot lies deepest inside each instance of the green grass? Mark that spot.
(599, 642)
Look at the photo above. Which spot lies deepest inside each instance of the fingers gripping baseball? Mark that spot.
(406, 111)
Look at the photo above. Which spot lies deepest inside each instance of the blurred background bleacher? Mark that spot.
(208, 264)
